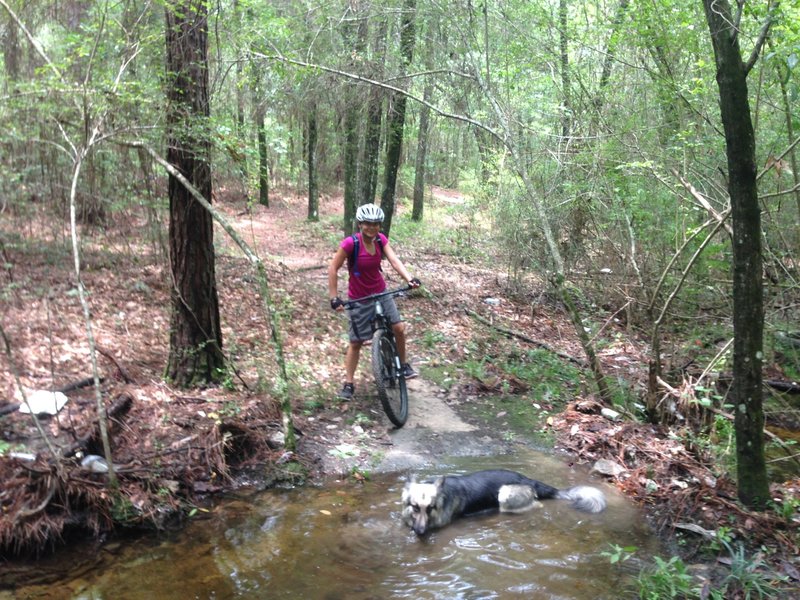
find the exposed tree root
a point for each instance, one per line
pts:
(157, 483)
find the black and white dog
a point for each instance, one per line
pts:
(437, 502)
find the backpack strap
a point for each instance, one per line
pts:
(379, 246)
(352, 260)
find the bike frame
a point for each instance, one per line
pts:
(350, 303)
(379, 321)
(390, 383)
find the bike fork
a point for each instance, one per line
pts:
(398, 368)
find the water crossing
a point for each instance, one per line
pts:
(345, 540)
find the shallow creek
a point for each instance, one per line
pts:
(345, 540)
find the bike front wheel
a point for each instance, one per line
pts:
(389, 378)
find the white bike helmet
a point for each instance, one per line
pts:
(369, 213)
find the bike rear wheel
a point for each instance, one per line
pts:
(389, 378)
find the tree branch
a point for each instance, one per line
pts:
(703, 202)
(774, 194)
(762, 38)
(779, 157)
(272, 319)
(34, 42)
(524, 338)
(280, 57)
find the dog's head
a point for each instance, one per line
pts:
(420, 504)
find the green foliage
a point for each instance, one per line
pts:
(625, 396)
(442, 374)
(123, 511)
(226, 377)
(787, 509)
(749, 576)
(230, 409)
(665, 579)
(785, 350)
(293, 471)
(312, 405)
(525, 387)
(722, 537)
(551, 378)
(345, 451)
(359, 474)
(431, 339)
(361, 419)
(452, 230)
(724, 439)
(475, 368)
(619, 554)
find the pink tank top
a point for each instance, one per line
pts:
(370, 279)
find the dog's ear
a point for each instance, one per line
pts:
(439, 482)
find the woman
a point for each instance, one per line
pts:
(366, 278)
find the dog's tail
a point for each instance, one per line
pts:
(584, 497)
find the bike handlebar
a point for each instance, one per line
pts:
(350, 303)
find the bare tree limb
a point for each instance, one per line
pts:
(280, 57)
(779, 157)
(33, 41)
(791, 190)
(286, 409)
(525, 338)
(704, 203)
(760, 41)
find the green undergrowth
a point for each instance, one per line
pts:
(517, 390)
(735, 574)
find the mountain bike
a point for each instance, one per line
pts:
(386, 366)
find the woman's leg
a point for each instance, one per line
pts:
(399, 330)
(351, 361)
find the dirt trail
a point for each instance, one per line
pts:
(434, 430)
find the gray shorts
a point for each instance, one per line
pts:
(362, 314)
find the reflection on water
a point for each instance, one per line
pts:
(346, 541)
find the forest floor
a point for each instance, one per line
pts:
(173, 447)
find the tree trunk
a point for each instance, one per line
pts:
(11, 54)
(748, 309)
(783, 78)
(372, 133)
(610, 53)
(241, 80)
(195, 354)
(263, 160)
(311, 161)
(355, 35)
(566, 102)
(397, 118)
(422, 157)
(422, 138)
(486, 144)
(350, 159)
